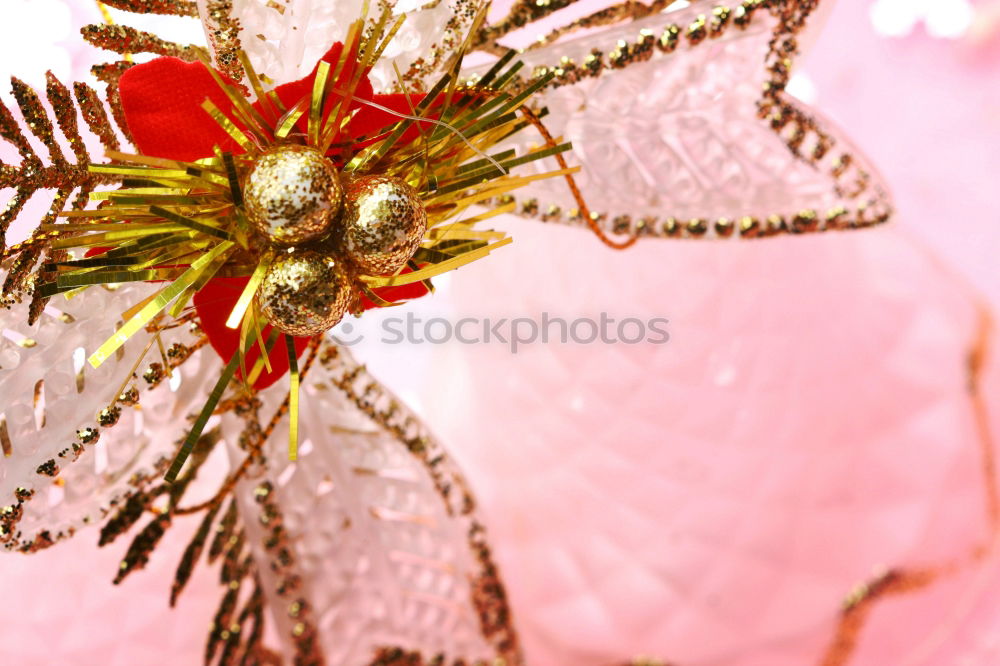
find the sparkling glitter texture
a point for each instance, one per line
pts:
(304, 293)
(293, 194)
(384, 221)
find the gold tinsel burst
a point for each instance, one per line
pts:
(383, 224)
(272, 210)
(292, 194)
(304, 293)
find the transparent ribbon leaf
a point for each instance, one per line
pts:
(370, 540)
(62, 468)
(677, 112)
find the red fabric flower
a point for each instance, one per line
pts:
(162, 103)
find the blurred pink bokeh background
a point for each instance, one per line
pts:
(856, 338)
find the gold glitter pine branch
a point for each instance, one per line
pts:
(53, 172)
(127, 40)
(170, 7)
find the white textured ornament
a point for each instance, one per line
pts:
(51, 398)
(380, 529)
(672, 136)
(295, 34)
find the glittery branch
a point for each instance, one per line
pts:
(129, 514)
(62, 104)
(224, 36)
(202, 448)
(138, 552)
(626, 11)
(19, 276)
(230, 569)
(521, 13)
(37, 119)
(147, 539)
(224, 532)
(862, 601)
(33, 174)
(233, 634)
(395, 656)
(222, 621)
(124, 39)
(283, 564)
(96, 116)
(175, 7)
(109, 74)
(525, 12)
(253, 611)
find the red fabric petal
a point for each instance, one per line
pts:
(162, 104)
(214, 303)
(292, 93)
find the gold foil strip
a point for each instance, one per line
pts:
(348, 52)
(433, 269)
(38, 404)
(316, 101)
(458, 231)
(228, 125)
(375, 298)
(138, 171)
(293, 399)
(264, 98)
(149, 311)
(258, 332)
(109, 237)
(246, 297)
(194, 225)
(187, 294)
(5, 443)
(244, 111)
(287, 122)
(199, 424)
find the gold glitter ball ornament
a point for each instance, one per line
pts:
(383, 223)
(292, 194)
(304, 293)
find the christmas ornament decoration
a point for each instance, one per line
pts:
(293, 195)
(304, 293)
(253, 216)
(383, 223)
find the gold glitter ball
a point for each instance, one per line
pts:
(292, 194)
(383, 223)
(304, 293)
